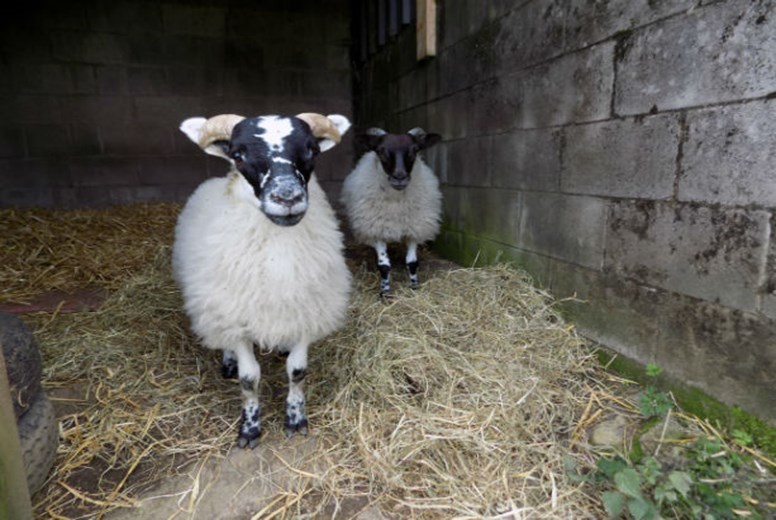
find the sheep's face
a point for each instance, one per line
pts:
(397, 152)
(275, 155)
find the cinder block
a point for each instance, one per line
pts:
(497, 103)
(726, 353)
(84, 79)
(137, 139)
(622, 158)
(412, 89)
(147, 81)
(614, 312)
(125, 17)
(100, 110)
(530, 34)
(26, 198)
(84, 141)
(470, 162)
(173, 170)
(111, 80)
(588, 23)
(103, 171)
(525, 159)
(36, 109)
(468, 62)
(730, 155)
(705, 55)
(448, 116)
(574, 88)
(44, 79)
(88, 47)
(47, 140)
(563, 227)
(486, 213)
(711, 253)
(196, 20)
(11, 141)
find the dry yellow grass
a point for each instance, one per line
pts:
(461, 399)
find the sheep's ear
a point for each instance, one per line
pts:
(342, 124)
(372, 138)
(194, 127)
(422, 139)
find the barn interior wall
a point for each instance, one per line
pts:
(93, 92)
(623, 153)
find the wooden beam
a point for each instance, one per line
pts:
(426, 29)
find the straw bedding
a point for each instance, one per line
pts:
(461, 399)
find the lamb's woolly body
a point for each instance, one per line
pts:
(377, 212)
(245, 278)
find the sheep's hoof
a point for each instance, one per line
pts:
(298, 427)
(249, 435)
(414, 285)
(243, 442)
(386, 295)
(250, 426)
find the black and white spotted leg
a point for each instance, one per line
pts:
(296, 367)
(384, 265)
(250, 373)
(412, 263)
(229, 365)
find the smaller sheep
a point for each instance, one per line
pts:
(393, 196)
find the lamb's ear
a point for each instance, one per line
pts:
(372, 138)
(196, 129)
(422, 139)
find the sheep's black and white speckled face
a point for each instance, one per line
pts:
(275, 155)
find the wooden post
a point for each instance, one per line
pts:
(14, 493)
(426, 29)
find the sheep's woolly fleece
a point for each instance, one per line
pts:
(377, 212)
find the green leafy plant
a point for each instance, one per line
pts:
(653, 402)
(705, 486)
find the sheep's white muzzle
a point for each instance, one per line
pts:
(285, 203)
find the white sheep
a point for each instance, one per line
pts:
(258, 254)
(393, 196)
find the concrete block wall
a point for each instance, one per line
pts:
(92, 92)
(622, 152)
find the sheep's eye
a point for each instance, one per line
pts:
(237, 156)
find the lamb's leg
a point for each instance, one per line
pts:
(229, 365)
(412, 263)
(250, 373)
(296, 367)
(384, 265)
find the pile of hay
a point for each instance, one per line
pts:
(461, 399)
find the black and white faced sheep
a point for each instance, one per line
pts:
(258, 254)
(393, 196)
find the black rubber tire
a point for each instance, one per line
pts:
(39, 438)
(22, 361)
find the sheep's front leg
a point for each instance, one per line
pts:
(296, 367)
(384, 265)
(250, 373)
(412, 263)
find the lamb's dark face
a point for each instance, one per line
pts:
(397, 155)
(397, 152)
(275, 155)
